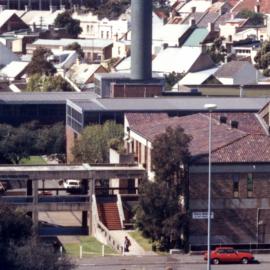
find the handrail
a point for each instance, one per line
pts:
(120, 210)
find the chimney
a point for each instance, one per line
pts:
(211, 27)
(192, 22)
(193, 9)
(62, 7)
(234, 124)
(26, 8)
(141, 40)
(257, 7)
(222, 119)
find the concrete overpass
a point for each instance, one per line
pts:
(33, 202)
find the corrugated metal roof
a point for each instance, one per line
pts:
(165, 104)
(196, 38)
(197, 77)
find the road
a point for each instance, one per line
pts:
(161, 263)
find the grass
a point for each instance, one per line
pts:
(33, 160)
(91, 247)
(145, 243)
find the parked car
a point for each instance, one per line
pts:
(229, 255)
(71, 183)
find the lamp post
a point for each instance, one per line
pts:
(210, 108)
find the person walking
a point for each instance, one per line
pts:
(127, 244)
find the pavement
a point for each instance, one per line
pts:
(135, 249)
(175, 262)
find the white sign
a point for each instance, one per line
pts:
(201, 215)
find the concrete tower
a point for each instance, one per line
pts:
(141, 40)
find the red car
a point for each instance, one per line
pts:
(229, 255)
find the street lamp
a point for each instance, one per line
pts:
(210, 108)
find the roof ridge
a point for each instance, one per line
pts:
(232, 142)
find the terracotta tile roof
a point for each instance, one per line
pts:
(250, 4)
(247, 122)
(224, 138)
(251, 148)
(230, 2)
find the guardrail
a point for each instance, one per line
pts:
(17, 199)
(63, 199)
(99, 227)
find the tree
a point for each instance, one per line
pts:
(93, 144)
(255, 18)
(217, 51)
(159, 214)
(15, 227)
(75, 46)
(15, 143)
(51, 140)
(42, 83)
(28, 139)
(34, 255)
(65, 20)
(21, 249)
(262, 58)
(172, 78)
(39, 63)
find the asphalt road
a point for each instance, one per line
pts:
(174, 266)
(159, 263)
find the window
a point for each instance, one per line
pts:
(235, 186)
(249, 185)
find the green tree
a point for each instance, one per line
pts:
(255, 18)
(172, 78)
(160, 214)
(51, 139)
(39, 63)
(34, 255)
(217, 51)
(42, 83)
(75, 46)
(262, 58)
(93, 144)
(21, 249)
(65, 20)
(15, 227)
(15, 143)
(28, 139)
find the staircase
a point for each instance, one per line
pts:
(108, 213)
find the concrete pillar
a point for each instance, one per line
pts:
(91, 192)
(29, 188)
(85, 186)
(84, 219)
(35, 204)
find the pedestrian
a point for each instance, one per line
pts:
(127, 244)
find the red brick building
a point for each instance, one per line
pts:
(240, 172)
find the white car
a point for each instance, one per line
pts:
(72, 183)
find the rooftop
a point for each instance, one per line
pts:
(95, 43)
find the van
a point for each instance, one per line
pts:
(72, 183)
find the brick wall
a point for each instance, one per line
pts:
(236, 219)
(135, 90)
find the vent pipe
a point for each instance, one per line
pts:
(141, 40)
